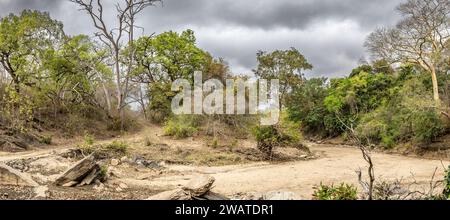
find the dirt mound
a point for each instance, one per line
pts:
(11, 141)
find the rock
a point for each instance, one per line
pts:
(177, 194)
(13, 177)
(124, 159)
(95, 172)
(51, 165)
(70, 184)
(41, 192)
(214, 196)
(303, 157)
(77, 172)
(115, 162)
(199, 186)
(11, 144)
(279, 195)
(99, 187)
(123, 186)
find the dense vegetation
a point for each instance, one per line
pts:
(81, 84)
(384, 109)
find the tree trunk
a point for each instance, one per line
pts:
(435, 87)
(119, 88)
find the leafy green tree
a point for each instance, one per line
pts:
(286, 65)
(420, 38)
(76, 72)
(23, 39)
(167, 57)
(363, 68)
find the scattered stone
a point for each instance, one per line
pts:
(99, 187)
(304, 157)
(141, 161)
(20, 165)
(12, 177)
(114, 162)
(123, 186)
(41, 192)
(51, 165)
(279, 195)
(124, 159)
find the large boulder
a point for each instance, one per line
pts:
(13, 177)
(199, 186)
(84, 169)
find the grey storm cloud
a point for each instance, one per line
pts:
(330, 33)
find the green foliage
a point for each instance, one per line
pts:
(16, 110)
(331, 192)
(89, 140)
(363, 68)
(117, 147)
(286, 133)
(447, 184)
(306, 106)
(159, 108)
(408, 116)
(284, 65)
(182, 126)
(46, 140)
(23, 40)
(359, 94)
(168, 56)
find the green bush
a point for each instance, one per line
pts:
(331, 192)
(112, 150)
(408, 116)
(46, 140)
(89, 139)
(447, 184)
(181, 126)
(117, 147)
(285, 133)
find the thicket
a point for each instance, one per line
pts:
(384, 109)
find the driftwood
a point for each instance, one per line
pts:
(83, 173)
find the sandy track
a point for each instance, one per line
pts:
(337, 164)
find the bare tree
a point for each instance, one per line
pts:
(115, 37)
(368, 186)
(420, 38)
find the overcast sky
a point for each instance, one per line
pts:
(330, 33)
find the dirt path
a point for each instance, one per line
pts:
(337, 164)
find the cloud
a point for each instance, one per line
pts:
(330, 33)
